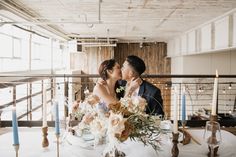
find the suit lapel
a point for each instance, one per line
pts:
(141, 89)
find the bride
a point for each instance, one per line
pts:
(110, 78)
(110, 73)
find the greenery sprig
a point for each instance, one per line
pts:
(145, 130)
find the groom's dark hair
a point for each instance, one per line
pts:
(137, 64)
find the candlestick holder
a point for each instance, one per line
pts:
(214, 118)
(175, 149)
(57, 136)
(213, 139)
(186, 136)
(16, 147)
(45, 142)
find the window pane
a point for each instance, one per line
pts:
(16, 47)
(36, 51)
(5, 46)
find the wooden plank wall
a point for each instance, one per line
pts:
(95, 55)
(154, 56)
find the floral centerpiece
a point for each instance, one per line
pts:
(118, 122)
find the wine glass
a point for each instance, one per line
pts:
(212, 135)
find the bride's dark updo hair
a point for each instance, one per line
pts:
(104, 66)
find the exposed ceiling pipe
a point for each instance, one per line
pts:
(22, 12)
(46, 22)
(97, 45)
(99, 10)
(108, 39)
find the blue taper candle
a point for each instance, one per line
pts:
(183, 105)
(15, 127)
(57, 127)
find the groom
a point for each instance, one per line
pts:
(132, 69)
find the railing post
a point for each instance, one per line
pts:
(30, 100)
(42, 87)
(66, 94)
(53, 92)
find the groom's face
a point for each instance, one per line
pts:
(127, 71)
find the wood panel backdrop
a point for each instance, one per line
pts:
(153, 54)
(155, 58)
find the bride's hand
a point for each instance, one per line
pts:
(100, 81)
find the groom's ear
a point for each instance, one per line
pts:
(131, 73)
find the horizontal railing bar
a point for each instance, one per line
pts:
(96, 75)
(34, 109)
(36, 123)
(19, 100)
(190, 123)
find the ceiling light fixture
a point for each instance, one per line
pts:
(141, 43)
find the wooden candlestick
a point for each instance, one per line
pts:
(16, 147)
(57, 136)
(175, 149)
(186, 137)
(45, 142)
(213, 118)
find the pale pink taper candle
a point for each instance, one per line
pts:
(214, 99)
(175, 129)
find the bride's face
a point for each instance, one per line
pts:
(116, 72)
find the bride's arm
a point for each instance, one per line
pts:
(101, 92)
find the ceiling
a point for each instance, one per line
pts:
(125, 20)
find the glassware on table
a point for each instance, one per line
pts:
(212, 136)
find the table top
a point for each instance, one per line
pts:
(30, 146)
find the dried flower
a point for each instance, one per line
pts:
(126, 132)
(93, 99)
(115, 107)
(125, 119)
(116, 124)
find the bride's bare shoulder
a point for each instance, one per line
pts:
(99, 87)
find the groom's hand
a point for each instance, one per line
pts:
(133, 85)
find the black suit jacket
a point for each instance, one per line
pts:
(152, 94)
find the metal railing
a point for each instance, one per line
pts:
(26, 93)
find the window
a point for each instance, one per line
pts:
(36, 51)
(5, 46)
(16, 48)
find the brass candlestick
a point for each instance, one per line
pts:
(213, 136)
(16, 147)
(57, 136)
(45, 142)
(175, 150)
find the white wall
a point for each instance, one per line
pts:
(224, 62)
(215, 35)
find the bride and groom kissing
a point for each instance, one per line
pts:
(117, 82)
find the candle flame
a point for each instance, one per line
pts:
(217, 75)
